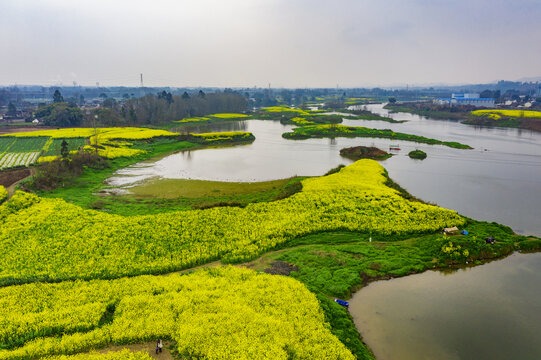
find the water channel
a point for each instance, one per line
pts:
(487, 312)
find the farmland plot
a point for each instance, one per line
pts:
(20, 151)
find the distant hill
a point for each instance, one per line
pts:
(530, 79)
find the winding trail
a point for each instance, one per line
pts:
(11, 189)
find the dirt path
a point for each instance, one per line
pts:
(10, 129)
(147, 347)
(11, 189)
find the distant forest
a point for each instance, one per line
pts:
(147, 110)
(164, 107)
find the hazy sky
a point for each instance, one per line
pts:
(289, 43)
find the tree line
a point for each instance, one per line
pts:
(147, 110)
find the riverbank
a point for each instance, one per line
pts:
(467, 115)
(510, 122)
(455, 313)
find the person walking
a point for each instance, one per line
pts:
(159, 346)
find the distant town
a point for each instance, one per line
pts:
(20, 103)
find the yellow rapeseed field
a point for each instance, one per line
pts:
(49, 239)
(498, 113)
(215, 313)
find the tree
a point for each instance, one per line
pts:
(185, 96)
(57, 96)
(166, 96)
(64, 152)
(12, 110)
(60, 114)
(392, 100)
(201, 94)
(109, 102)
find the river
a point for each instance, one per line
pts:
(499, 180)
(491, 312)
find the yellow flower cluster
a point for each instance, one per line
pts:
(3, 194)
(193, 119)
(215, 313)
(454, 251)
(44, 159)
(497, 113)
(112, 355)
(226, 135)
(112, 152)
(107, 139)
(129, 133)
(228, 116)
(216, 116)
(52, 239)
(301, 121)
(285, 109)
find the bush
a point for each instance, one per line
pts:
(56, 173)
(417, 154)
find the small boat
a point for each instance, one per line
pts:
(394, 147)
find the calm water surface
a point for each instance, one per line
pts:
(488, 312)
(500, 180)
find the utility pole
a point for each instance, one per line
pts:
(141, 79)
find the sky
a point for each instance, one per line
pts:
(287, 43)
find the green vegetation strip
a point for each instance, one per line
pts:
(321, 131)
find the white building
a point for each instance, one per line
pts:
(466, 99)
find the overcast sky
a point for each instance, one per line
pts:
(288, 43)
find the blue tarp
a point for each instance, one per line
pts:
(342, 302)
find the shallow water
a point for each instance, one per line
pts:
(501, 183)
(488, 312)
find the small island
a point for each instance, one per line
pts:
(334, 131)
(364, 152)
(417, 154)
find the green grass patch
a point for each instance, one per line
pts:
(331, 131)
(56, 145)
(337, 264)
(166, 195)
